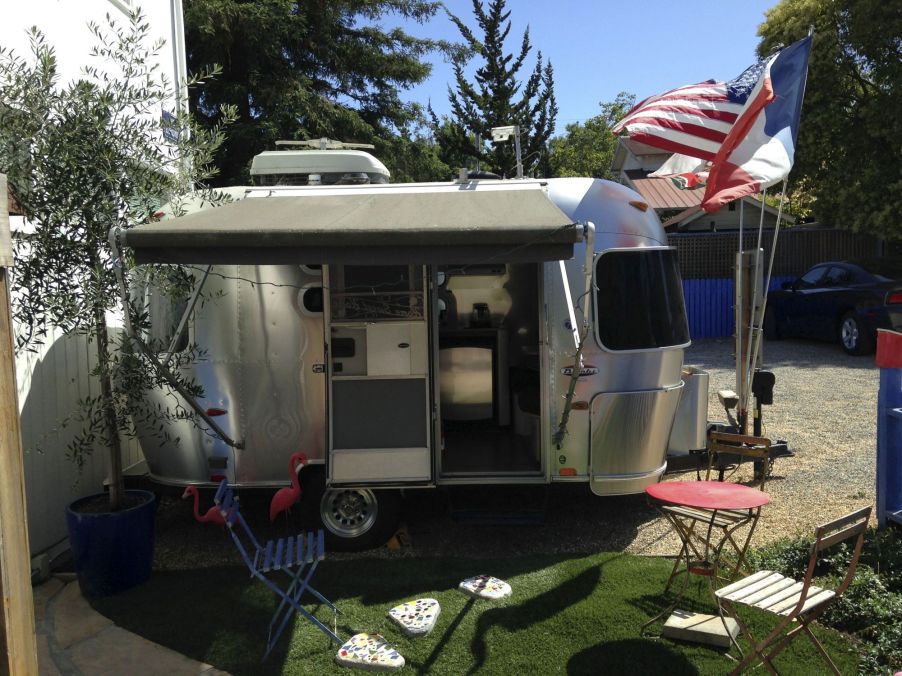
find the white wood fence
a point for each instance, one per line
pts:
(50, 384)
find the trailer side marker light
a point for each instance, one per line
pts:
(213, 412)
(641, 206)
(217, 478)
(580, 406)
(567, 471)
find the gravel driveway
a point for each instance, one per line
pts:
(824, 407)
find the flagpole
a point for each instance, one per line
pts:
(737, 300)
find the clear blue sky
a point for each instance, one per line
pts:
(599, 48)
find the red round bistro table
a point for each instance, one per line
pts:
(708, 494)
(715, 506)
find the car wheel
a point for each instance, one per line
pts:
(771, 330)
(853, 336)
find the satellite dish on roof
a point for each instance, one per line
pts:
(326, 144)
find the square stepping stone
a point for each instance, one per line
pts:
(685, 625)
(485, 587)
(370, 652)
(416, 618)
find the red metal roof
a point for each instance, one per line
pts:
(661, 193)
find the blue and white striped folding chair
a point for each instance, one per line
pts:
(296, 557)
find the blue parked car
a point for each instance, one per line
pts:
(840, 301)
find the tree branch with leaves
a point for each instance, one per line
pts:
(82, 158)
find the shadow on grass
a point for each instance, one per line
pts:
(220, 615)
(533, 611)
(630, 656)
(582, 613)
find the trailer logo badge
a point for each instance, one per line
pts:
(587, 370)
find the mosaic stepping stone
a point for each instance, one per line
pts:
(485, 587)
(370, 652)
(416, 618)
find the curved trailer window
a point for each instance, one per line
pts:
(639, 300)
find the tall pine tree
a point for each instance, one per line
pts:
(296, 69)
(497, 98)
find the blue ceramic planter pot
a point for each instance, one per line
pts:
(112, 551)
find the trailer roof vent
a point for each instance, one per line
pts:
(332, 162)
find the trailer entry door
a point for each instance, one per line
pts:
(380, 409)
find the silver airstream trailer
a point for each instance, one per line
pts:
(418, 335)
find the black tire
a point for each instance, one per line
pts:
(353, 519)
(771, 329)
(854, 337)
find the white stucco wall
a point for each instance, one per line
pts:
(65, 25)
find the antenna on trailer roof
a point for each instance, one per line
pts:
(327, 144)
(502, 134)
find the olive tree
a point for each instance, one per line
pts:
(104, 151)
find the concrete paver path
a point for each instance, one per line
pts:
(75, 640)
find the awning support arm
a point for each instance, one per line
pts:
(161, 369)
(579, 335)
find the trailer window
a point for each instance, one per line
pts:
(639, 300)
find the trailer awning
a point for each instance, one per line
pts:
(390, 224)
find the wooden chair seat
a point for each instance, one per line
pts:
(722, 519)
(774, 593)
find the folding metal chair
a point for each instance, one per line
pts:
(297, 557)
(798, 603)
(725, 451)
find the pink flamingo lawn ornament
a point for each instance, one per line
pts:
(285, 498)
(213, 514)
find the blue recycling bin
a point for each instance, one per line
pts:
(889, 428)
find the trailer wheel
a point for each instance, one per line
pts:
(353, 519)
(359, 518)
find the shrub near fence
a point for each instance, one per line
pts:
(707, 259)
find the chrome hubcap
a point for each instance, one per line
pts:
(849, 334)
(349, 513)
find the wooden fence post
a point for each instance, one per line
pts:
(17, 618)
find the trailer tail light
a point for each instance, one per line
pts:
(567, 471)
(214, 412)
(895, 298)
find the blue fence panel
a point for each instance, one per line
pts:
(709, 305)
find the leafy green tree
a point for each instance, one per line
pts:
(297, 69)
(413, 157)
(496, 97)
(849, 154)
(587, 149)
(83, 158)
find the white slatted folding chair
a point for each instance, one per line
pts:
(797, 604)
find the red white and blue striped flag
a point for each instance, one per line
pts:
(746, 128)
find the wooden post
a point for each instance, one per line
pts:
(17, 618)
(741, 308)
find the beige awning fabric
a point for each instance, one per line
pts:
(437, 224)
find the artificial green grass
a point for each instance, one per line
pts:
(579, 615)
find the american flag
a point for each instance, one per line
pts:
(693, 120)
(746, 128)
